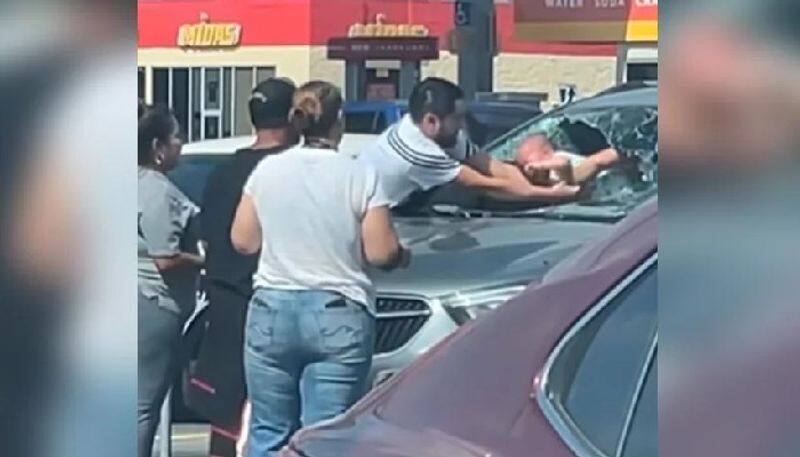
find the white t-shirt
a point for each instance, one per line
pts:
(407, 160)
(310, 204)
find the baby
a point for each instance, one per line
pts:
(544, 166)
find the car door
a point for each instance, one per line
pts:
(598, 388)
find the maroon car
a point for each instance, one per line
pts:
(566, 368)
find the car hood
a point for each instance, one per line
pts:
(369, 436)
(456, 254)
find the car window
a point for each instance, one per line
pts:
(594, 377)
(643, 435)
(360, 122)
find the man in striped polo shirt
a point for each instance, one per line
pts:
(428, 148)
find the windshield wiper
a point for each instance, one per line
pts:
(574, 212)
(568, 212)
(457, 211)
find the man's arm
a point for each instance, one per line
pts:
(246, 229)
(484, 172)
(589, 168)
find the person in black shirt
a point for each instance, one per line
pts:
(217, 387)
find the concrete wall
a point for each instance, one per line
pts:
(322, 68)
(536, 72)
(542, 73)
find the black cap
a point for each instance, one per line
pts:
(270, 103)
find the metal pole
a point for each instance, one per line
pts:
(165, 428)
(475, 25)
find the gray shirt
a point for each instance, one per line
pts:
(166, 219)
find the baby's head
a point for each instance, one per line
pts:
(535, 148)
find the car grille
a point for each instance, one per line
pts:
(399, 319)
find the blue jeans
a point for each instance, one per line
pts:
(306, 358)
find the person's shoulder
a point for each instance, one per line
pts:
(155, 181)
(269, 161)
(155, 184)
(174, 193)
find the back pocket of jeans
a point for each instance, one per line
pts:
(260, 332)
(342, 325)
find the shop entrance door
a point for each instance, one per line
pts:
(211, 103)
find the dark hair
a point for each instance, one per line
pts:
(315, 109)
(435, 96)
(156, 122)
(270, 103)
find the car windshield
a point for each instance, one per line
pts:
(631, 129)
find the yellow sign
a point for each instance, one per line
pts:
(208, 35)
(381, 29)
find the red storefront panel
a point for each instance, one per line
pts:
(582, 20)
(314, 22)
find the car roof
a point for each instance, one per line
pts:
(640, 96)
(231, 145)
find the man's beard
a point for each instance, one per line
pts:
(446, 141)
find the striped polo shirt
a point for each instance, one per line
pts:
(406, 160)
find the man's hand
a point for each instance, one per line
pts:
(405, 257)
(508, 182)
(556, 163)
(563, 190)
(557, 168)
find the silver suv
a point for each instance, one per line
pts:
(473, 253)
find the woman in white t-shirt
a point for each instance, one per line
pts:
(319, 218)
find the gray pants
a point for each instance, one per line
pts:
(159, 336)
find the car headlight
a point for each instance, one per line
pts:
(467, 306)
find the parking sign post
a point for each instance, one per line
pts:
(475, 26)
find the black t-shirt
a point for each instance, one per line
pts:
(222, 194)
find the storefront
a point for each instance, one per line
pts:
(630, 24)
(203, 58)
(383, 60)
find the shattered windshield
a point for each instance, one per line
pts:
(579, 130)
(631, 130)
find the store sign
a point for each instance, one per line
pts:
(209, 35)
(410, 48)
(586, 20)
(380, 29)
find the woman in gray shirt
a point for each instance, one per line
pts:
(167, 268)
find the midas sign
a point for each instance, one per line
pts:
(206, 35)
(381, 29)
